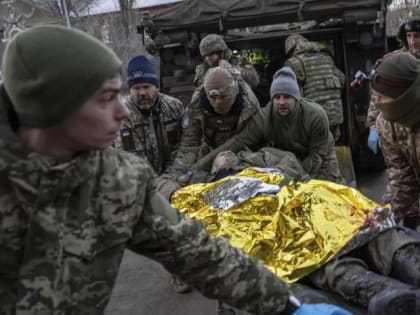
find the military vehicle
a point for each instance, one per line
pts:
(353, 32)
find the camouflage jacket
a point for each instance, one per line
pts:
(401, 149)
(245, 70)
(304, 132)
(64, 226)
(154, 135)
(320, 79)
(203, 129)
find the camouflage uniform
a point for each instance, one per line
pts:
(204, 130)
(155, 134)
(304, 132)
(65, 225)
(213, 43)
(401, 150)
(320, 79)
(246, 71)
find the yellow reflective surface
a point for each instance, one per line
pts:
(293, 232)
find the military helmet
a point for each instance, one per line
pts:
(212, 43)
(292, 41)
(409, 24)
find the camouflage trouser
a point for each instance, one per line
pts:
(330, 170)
(373, 268)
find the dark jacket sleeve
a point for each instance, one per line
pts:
(319, 143)
(189, 148)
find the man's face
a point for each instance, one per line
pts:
(380, 98)
(222, 104)
(283, 104)
(144, 94)
(413, 41)
(98, 121)
(212, 59)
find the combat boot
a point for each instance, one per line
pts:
(406, 264)
(351, 279)
(395, 302)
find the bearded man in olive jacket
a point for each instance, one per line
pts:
(290, 123)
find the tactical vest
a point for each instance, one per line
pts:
(321, 84)
(217, 129)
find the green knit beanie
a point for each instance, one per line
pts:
(395, 74)
(401, 69)
(50, 71)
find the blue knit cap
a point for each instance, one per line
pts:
(141, 70)
(285, 82)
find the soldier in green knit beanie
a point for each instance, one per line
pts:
(70, 206)
(395, 87)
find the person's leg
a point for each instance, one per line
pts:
(351, 279)
(396, 253)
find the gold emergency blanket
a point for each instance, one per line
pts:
(294, 231)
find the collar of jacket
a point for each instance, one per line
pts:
(404, 110)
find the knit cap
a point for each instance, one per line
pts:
(395, 74)
(285, 82)
(218, 81)
(51, 71)
(141, 70)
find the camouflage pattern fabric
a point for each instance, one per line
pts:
(201, 133)
(153, 135)
(203, 130)
(320, 79)
(304, 132)
(401, 150)
(245, 71)
(249, 74)
(372, 113)
(65, 225)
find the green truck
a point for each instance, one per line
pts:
(353, 31)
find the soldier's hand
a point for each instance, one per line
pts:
(320, 309)
(373, 140)
(184, 178)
